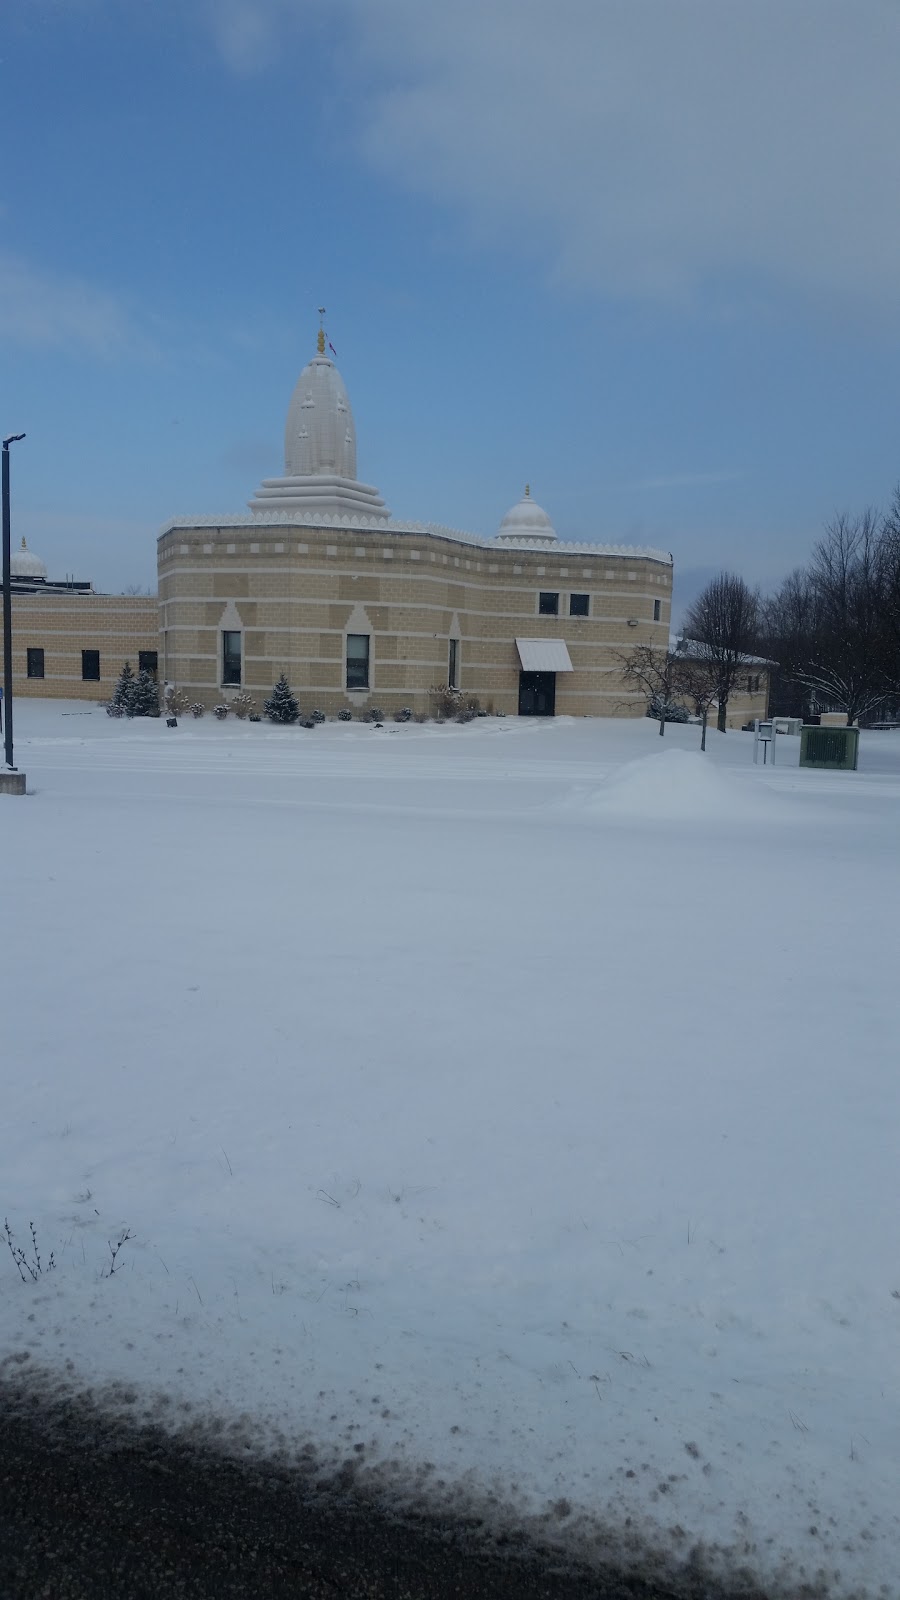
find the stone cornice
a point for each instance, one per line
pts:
(395, 527)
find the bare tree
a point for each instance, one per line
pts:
(787, 631)
(889, 561)
(653, 673)
(834, 626)
(696, 681)
(847, 661)
(724, 619)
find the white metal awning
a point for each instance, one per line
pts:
(544, 655)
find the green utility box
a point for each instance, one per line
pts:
(836, 748)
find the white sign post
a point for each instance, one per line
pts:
(764, 733)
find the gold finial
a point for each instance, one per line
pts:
(24, 545)
(527, 491)
(321, 331)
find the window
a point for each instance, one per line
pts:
(453, 668)
(579, 605)
(656, 611)
(753, 684)
(35, 663)
(90, 666)
(357, 661)
(231, 656)
(148, 661)
(548, 604)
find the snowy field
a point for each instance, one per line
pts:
(509, 1111)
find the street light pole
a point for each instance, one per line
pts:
(7, 609)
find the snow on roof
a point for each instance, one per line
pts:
(693, 650)
(544, 655)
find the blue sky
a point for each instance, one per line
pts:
(644, 254)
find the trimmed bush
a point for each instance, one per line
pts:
(177, 701)
(242, 705)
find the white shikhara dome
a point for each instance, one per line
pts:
(25, 564)
(320, 435)
(320, 451)
(526, 522)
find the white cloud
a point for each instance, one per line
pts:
(660, 148)
(46, 309)
(248, 33)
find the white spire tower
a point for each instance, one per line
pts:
(320, 450)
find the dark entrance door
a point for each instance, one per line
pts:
(537, 694)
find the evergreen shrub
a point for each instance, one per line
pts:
(134, 696)
(282, 706)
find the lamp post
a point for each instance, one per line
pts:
(7, 608)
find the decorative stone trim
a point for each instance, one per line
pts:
(395, 526)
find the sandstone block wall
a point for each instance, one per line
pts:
(294, 594)
(63, 625)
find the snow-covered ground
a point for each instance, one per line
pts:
(510, 1110)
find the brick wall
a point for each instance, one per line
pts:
(64, 625)
(295, 597)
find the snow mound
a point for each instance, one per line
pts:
(684, 786)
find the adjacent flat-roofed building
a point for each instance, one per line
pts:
(69, 642)
(360, 609)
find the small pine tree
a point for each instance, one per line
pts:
(282, 705)
(144, 696)
(123, 694)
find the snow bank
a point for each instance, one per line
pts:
(684, 786)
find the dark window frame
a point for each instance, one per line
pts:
(34, 659)
(90, 659)
(453, 665)
(548, 603)
(232, 660)
(148, 661)
(357, 665)
(657, 609)
(579, 605)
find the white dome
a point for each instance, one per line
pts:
(24, 564)
(320, 452)
(527, 521)
(320, 436)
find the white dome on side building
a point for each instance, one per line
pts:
(526, 522)
(25, 564)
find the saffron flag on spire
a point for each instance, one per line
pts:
(332, 349)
